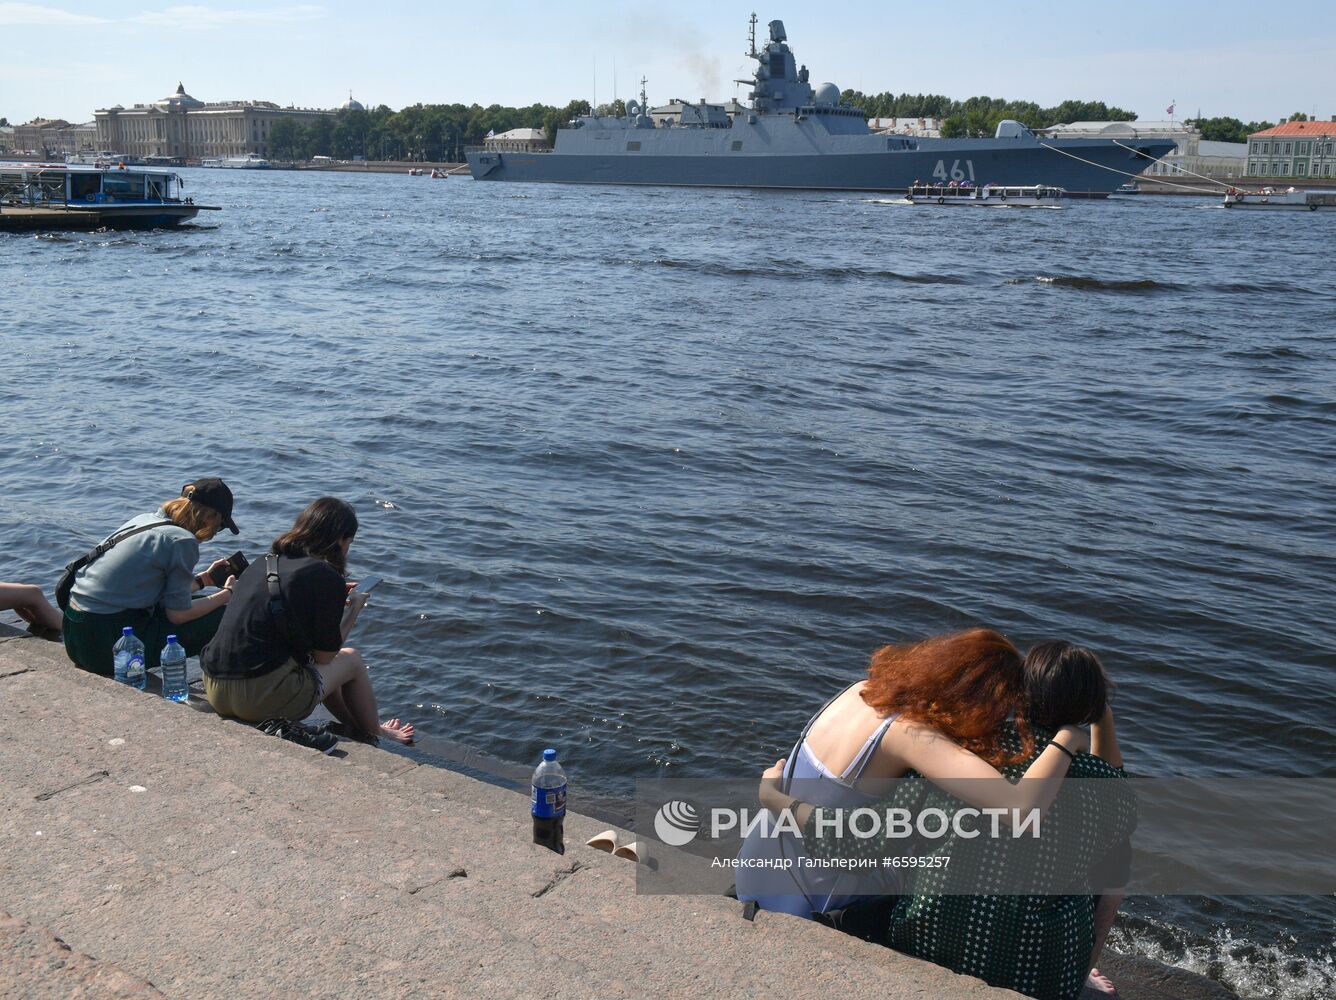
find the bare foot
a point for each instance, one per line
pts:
(1099, 984)
(400, 732)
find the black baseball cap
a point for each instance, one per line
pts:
(214, 494)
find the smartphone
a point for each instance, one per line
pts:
(366, 585)
(236, 562)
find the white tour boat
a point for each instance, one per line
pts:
(985, 195)
(1290, 198)
(251, 161)
(37, 196)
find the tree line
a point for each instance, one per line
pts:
(979, 116)
(430, 132)
(1233, 130)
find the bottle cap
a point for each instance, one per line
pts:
(549, 754)
(171, 639)
(127, 631)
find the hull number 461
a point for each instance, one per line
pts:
(956, 173)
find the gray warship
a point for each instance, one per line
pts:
(795, 136)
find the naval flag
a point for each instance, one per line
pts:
(1169, 110)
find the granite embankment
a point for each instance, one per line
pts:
(148, 849)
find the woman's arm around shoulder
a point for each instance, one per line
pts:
(972, 779)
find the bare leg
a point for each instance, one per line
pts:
(31, 605)
(347, 681)
(338, 708)
(1105, 912)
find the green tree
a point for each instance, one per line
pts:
(286, 140)
(1223, 129)
(320, 137)
(351, 128)
(557, 117)
(1298, 116)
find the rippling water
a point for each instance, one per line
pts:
(650, 472)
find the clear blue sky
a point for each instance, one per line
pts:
(65, 58)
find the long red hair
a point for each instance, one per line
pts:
(965, 685)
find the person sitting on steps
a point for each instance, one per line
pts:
(147, 581)
(280, 658)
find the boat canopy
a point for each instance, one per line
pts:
(46, 184)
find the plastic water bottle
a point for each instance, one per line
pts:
(128, 657)
(174, 671)
(547, 803)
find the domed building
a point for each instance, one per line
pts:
(183, 128)
(351, 104)
(178, 101)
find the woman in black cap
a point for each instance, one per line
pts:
(147, 581)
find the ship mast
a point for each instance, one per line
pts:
(751, 37)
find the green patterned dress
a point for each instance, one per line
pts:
(1015, 912)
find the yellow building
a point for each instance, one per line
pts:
(182, 126)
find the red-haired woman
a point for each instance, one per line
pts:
(936, 707)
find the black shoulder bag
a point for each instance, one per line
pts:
(66, 582)
(278, 610)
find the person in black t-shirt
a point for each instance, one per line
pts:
(261, 666)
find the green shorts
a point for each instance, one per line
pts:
(89, 637)
(292, 691)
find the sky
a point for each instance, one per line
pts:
(65, 59)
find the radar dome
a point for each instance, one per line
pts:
(827, 95)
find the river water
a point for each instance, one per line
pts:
(649, 473)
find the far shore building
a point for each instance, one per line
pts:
(1192, 158)
(923, 128)
(1294, 149)
(52, 138)
(672, 112)
(182, 126)
(518, 140)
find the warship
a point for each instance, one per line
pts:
(794, 135)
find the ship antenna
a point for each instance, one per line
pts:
(751, 37)
(644, 101)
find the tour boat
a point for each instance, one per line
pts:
(1290, 198)
(251, 161)
(986, 195)
(78, 196)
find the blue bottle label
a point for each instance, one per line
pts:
(134, 666)
(547, 803)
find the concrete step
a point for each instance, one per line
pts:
(211, 860)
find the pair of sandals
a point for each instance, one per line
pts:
(608, 843)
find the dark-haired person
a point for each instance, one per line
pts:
(279, 663)
(1017, 912)
(935, 707)
(147, 581)
(1064, 681)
